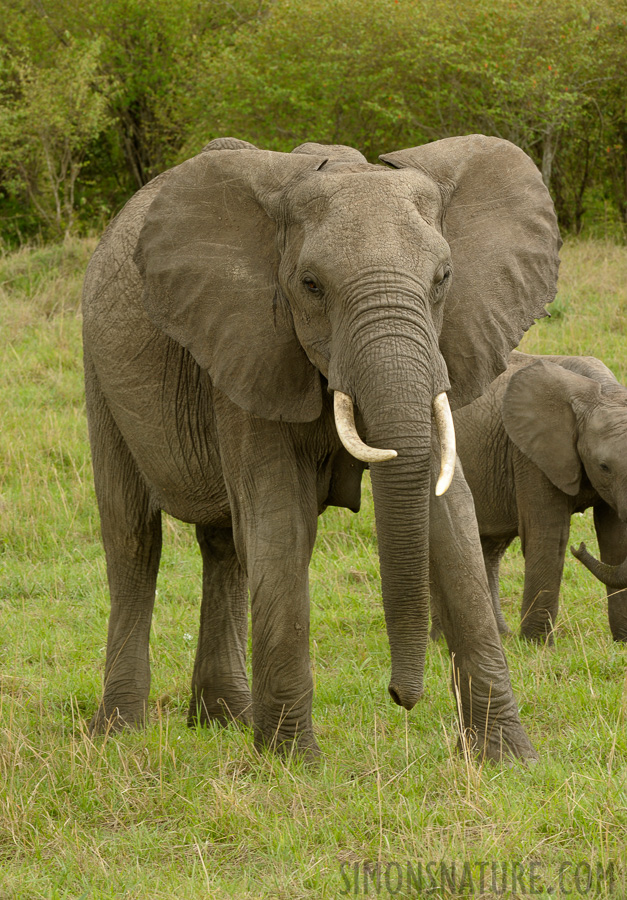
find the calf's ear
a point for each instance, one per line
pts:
(539, 416)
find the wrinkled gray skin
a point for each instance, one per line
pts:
(222, 306)
(546, 440)
(613, 576)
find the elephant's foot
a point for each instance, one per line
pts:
(111, 716)
(542, 634)
(207, 706)
(287, 734)
(498, 743)
(501, 624)
(488, 718)
(302, 747)
(538, 623)
(617, 615)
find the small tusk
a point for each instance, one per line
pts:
(345, 424)
(446, 432)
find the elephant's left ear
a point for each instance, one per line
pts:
(501, 227)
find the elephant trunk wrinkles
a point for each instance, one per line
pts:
(393, 386)
(614, 577)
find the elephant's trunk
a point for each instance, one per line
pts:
(393, 380)
(614, 577)
(401, 500)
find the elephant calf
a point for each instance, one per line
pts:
(548, 439)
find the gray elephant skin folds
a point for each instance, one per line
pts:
(224, 307)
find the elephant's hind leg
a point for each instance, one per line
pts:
(493, 550)
(220, 690)
(131, 533)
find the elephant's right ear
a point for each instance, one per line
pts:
(209, 258)
(539, 416)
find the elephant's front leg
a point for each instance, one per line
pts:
(544, 523)
(612, 538)
(220, 689)
(481, 681)
(282, 678)
(272, 491)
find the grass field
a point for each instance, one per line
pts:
(174, 813)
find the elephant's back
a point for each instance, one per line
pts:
(588, 366)
(112, 267)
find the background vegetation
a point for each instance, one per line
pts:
(98, 96)
(170, 812)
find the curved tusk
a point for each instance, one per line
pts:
(345, 424)
(446, 432)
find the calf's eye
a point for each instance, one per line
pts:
(605, 468)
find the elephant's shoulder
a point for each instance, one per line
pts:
(112, 260)
(131, 217)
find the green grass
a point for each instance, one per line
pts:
(172, 812)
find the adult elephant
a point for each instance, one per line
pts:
(546, 440)
(229, 302)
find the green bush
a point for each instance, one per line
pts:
(158, 80)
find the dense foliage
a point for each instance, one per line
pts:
(97, 97)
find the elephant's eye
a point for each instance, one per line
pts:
(443, 278)
(605, 468)
(311, 285)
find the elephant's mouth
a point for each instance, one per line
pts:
(347, 432)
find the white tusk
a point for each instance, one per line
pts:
(446, 432)
(345, 424)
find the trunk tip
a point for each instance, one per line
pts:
(578, 552)
(404, 697)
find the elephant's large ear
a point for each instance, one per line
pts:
(500, 224)
(208, 255)
(539, 415)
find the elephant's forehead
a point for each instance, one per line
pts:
(367, 190)
(608, 420)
